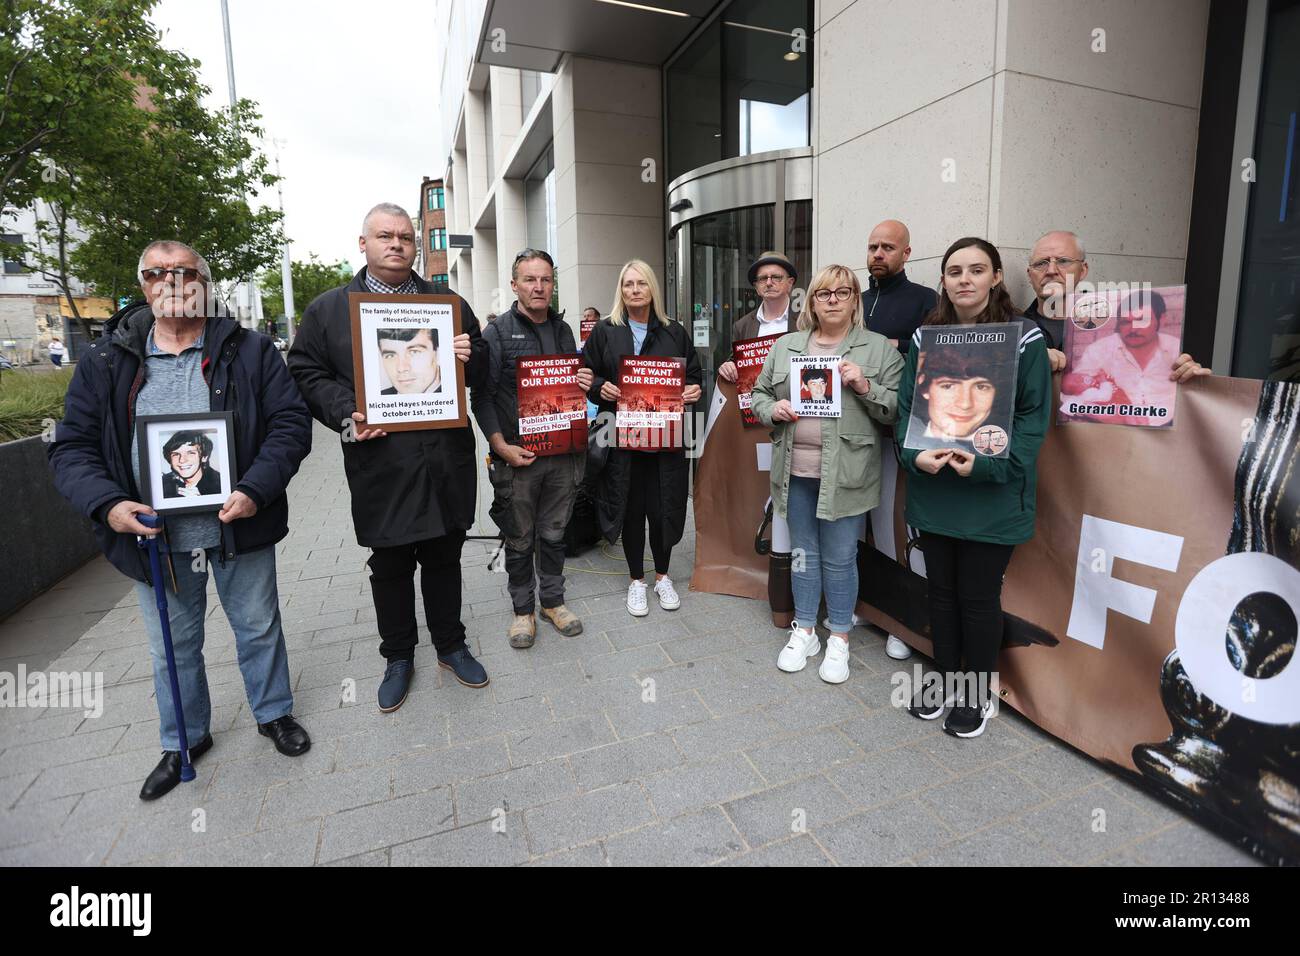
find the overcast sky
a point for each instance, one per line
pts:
(348, 87)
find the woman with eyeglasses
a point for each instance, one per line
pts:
(826, 471)
(640, 488)
(972, 510)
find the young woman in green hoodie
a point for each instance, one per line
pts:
(972, 510)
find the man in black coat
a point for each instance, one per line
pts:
(893, 305)
(174, 355)
(412, 491)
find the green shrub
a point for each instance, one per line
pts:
(29, 399)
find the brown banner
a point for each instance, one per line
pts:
(1126, 519)
(730, 493)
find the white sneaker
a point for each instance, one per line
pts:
(897, 649)
(636, 601)
(668, 599)
(835, 665)
(803, 645)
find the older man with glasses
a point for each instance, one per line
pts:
(178, 353)
(1057, 264)
(534, 495)
(773, 277)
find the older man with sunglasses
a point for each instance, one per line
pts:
(176, 353)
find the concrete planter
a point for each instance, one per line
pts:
(42, 539)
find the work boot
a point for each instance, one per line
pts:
(564, 620)
(523, 631)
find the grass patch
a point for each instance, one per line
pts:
(29, 399)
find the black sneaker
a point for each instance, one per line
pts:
(928, 702)
(966, 721)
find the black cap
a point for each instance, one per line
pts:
(772, 259)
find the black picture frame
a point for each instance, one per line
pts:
(151, 435)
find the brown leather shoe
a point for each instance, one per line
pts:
(523, 631)
(565, 621)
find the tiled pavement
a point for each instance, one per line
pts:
(667, 740)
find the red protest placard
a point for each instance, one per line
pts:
(585, 325)
(552, 407)
(749, 356)
(650, 405)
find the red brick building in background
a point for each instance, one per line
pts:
(433, 229)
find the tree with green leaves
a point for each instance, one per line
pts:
(310, 279)
(124, 147)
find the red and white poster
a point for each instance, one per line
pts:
(552, 406)
(749, 356)
(650, 405)
(585, 325)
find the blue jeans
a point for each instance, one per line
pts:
(824, 558)
(246, 586)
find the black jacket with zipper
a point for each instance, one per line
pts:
(510, 337)
(408, 486)
(91, 451)
(896, 307)
(605, 346)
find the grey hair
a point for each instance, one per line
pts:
(172, 244)
(388, 209)
(1083, 255)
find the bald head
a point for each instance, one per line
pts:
(888, 248)
(1057, 264)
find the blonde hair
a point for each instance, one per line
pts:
(618, 311)
(832, 277)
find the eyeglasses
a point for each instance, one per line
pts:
(841, 294)
(184, 274)
(770, 278)
(1042, 265)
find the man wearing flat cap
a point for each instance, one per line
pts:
(773, 276)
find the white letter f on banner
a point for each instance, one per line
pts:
(1095, 590)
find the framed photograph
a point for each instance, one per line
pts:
(965, 395)
(1120, 344)
(185, 461)
(405, 370)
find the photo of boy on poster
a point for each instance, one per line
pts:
(965, 392)
(192, 452)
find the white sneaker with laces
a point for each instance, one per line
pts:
(835, 665)
(636, 599)
(668, 599)
(897, 649)
(803, 645)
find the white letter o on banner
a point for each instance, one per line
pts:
(1202, 624)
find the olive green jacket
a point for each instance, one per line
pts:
(852, 443)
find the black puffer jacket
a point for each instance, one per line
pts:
(607, 344)
(91, 453)
(408, 486)
(510, 337)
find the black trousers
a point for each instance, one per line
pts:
(965, 588)
(392, 581)
(644, 504)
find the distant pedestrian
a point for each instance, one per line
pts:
(57, 350)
